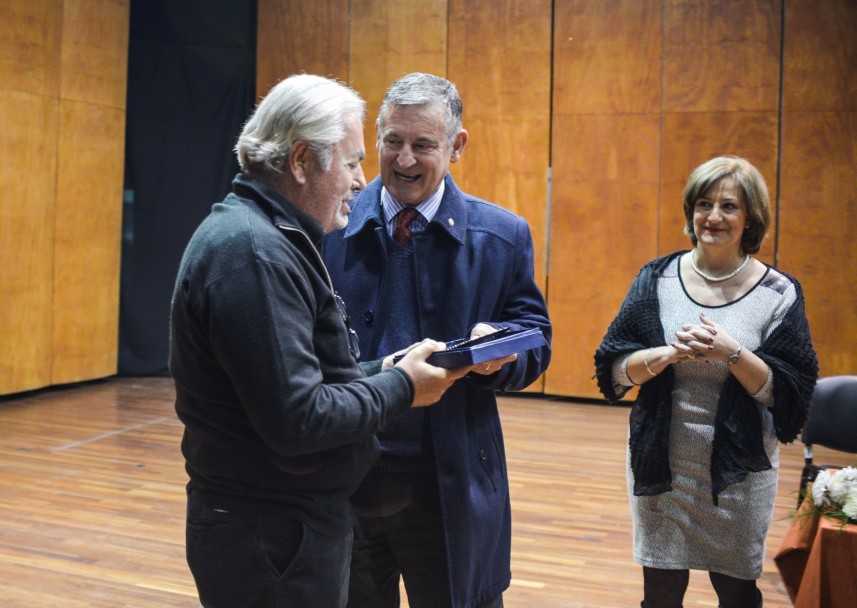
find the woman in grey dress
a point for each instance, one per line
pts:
(719, 344)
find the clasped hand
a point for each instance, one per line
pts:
(706, 340)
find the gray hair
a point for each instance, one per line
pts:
(418, 89)
(300, 108)
(751, 186)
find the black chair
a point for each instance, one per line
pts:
(832, 423)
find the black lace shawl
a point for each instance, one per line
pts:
(738, 444)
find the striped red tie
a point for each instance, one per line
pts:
(402, 232)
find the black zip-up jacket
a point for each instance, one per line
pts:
(275, 406)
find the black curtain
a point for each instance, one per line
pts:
(191, 87)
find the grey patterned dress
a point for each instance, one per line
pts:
(682, 529)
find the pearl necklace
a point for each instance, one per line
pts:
(708, 277)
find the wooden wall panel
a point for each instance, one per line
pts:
(27, 193)
(62, 105)
(603, 228)
(387, 41)
(604, 201)
(29, 46)
(506, 90)
(697, 136)
(90, 167)
(818, 221)
(87, 242)
(607, 57)
(721, 55)
(820, 55)
(507, 95)
(297, 36)
(818, 201)
(94, 60)
(29, 83)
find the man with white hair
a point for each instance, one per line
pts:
(279, 417)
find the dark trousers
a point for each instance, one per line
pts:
(399, 534)
(250, 554)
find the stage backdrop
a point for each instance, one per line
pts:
(191, 86)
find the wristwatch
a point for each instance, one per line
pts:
(734, 357)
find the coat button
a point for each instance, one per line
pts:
(483, 454)
(368, 317)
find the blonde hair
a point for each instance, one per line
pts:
(751, 187)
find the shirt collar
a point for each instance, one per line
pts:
(428, 208)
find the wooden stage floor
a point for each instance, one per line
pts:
(92, 502)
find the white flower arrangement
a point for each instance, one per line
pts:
(835, 494)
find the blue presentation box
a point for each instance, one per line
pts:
(467, 351)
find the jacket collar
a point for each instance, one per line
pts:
(450, 219)
(279, 209)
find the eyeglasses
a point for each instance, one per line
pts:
(353, 339)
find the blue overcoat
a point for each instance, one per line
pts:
(474, 263)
